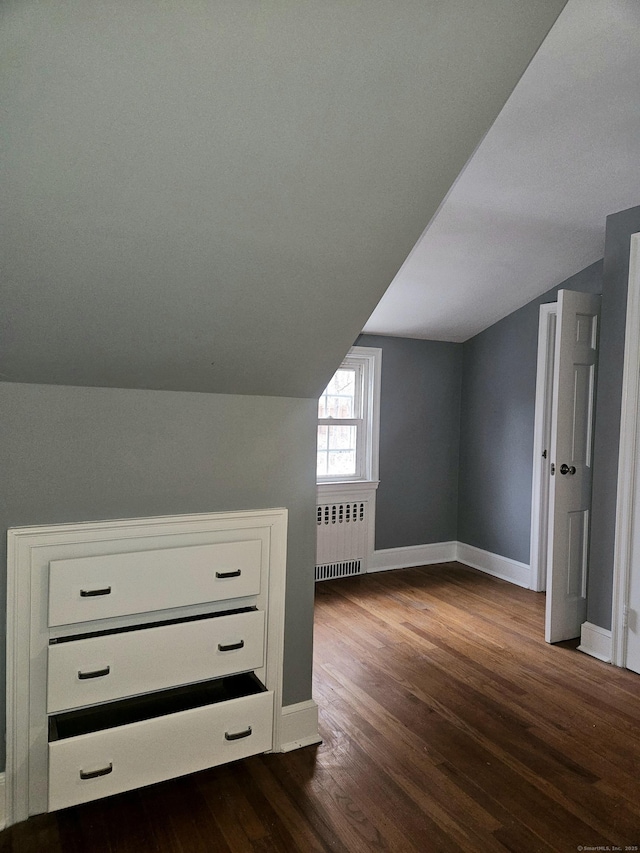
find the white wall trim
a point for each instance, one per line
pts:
(627, 460)
(356, 490)
(3, 801)
(493, 564)
(541, 442)
(595, 641)
(374, 357)
(447, 552)
(411, 556)
(299, 726)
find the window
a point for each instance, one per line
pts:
(348, 418)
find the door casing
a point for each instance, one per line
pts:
(628, 490)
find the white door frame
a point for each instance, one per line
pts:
(541, 442)
(628, 486)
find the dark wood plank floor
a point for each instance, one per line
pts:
(448, 725)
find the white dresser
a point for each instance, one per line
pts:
(153, 649)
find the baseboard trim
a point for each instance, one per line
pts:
(595, 641)
(3, 801)
(493, 564)
(410, 556)
(299, 726)
(446, 552)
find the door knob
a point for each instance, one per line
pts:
(565, 469)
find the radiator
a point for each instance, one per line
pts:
(342, 539)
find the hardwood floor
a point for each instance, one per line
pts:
(448, 725)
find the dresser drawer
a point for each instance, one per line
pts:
(109, 761)
(99, 669)
(88, 588)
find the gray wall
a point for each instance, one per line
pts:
(419, 440)
(620, 227)
(79, 454)
(496, 428)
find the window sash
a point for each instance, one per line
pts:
(367, 367)
(340, 422)
(359, 424)
(359, 408)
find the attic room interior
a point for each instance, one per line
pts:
(206, 207)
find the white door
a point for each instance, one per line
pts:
(571, 463)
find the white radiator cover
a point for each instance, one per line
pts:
(343, 538)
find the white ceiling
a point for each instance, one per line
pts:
(529, 209)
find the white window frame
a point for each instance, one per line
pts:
(368, 362)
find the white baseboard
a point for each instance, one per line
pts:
(299, 726)
(3, 803)
(595, 641)
(410, 556)
(446, 552)
(493, 564)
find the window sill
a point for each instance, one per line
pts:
(357, 488)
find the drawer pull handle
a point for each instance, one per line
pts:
(235, 574)
(231, 647)
(89, 593)
(238, 735)
(93, 774)
(95, 674)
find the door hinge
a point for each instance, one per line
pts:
(625, 616)
(553, 468)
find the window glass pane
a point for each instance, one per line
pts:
(342, 437)
(343, 382)
(341, 463)
(322, 464)
(339, 397)
(322, 438)
(337, 450)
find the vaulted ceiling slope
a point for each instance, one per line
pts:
(213, 196)
(529, 209)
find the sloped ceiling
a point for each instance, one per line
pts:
(529, 209)
(213, 196)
